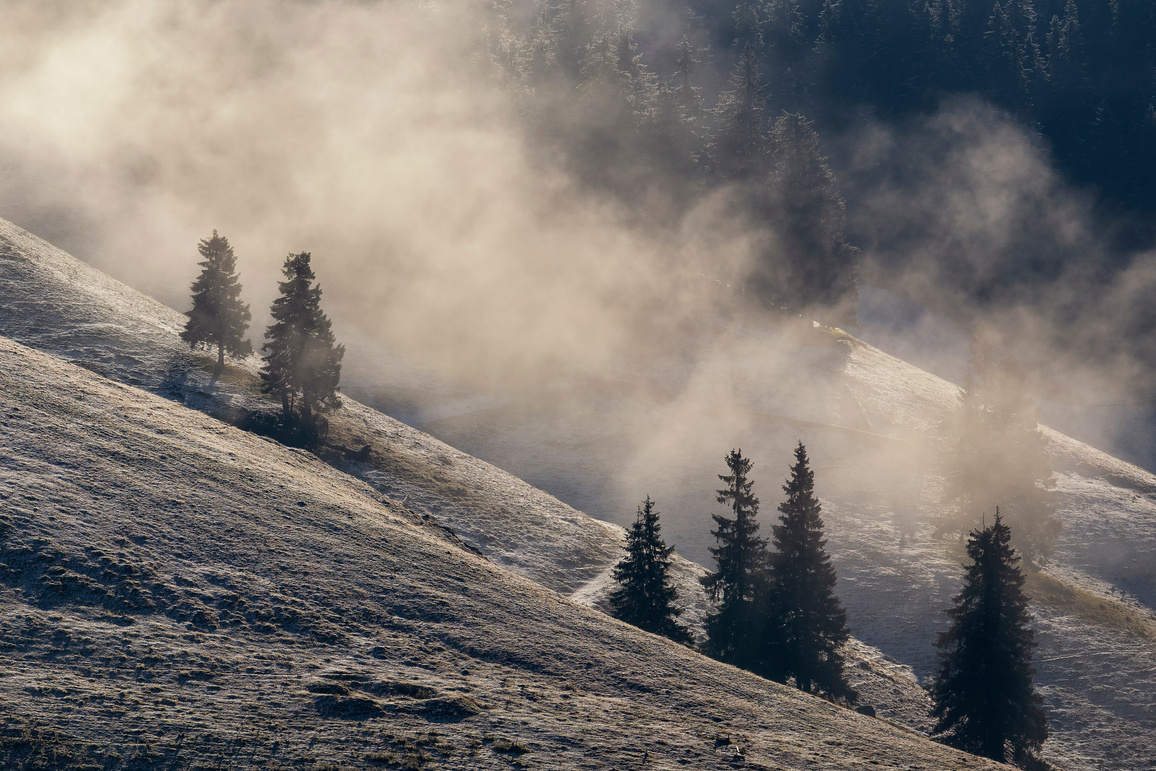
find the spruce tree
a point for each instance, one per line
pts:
(805, 205)
(302, 356)
(984, 700)
(740, 555)
(738, 145)
(806, 623)
(218, 317)
(644, 596)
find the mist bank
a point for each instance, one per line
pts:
(452, 233)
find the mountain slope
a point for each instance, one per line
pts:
(181, 594)
(51, 301)
(874, 426)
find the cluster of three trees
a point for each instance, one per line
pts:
(777, 614)
(302, 358)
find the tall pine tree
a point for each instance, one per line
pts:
(984, 701)
(644, 596)
(218, 317)
(740, 555)
(738, 145)
(805, 205)
(302, 358)
(806, 624)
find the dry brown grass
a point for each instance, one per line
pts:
(1050, 592)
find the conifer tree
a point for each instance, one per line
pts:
(984, 700)
(302, 356)
(644, 596)
(805, 203)
(677, 139)
(740, 555)
(738, 145)
(218, 317)
(807, 625)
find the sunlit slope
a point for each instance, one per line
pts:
(1093, 603)
(878, 431)
(53, 302)
(177, 591)
(875, 427)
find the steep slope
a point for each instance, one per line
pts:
(181, 594)
(51, 301)
(876, 428)
(874, 425)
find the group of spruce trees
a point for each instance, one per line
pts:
(302, 360)
(776, 614)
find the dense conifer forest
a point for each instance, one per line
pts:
(664, 105)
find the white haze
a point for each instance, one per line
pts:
(375, 136)
(369, 135)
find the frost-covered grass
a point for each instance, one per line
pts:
(177, 593)
(895, 576)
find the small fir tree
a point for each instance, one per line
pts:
(302, 357)
(806, 623)
(984, 700)
(218, 317)
(644, 596)
(740, 555)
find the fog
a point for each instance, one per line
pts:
(616, 354)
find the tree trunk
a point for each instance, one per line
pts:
(285, 407)
(220, 365)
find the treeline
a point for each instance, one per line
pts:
(1081, 72)
(644, 132)
(600, 83)
(776, 614)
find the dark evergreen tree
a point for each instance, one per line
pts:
(218, 317)
(740, 555)
(302, 358)
(645, 597)
(738, 146)
(807, 625)
(984, 701)
(677, 139)
(812, 264)
(748, 20)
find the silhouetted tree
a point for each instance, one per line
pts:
(806, 624)
(740, 555)
(302, 356)
(645, 597)
(984, 700)
(218, 317)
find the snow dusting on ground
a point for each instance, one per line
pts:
(1094, 610)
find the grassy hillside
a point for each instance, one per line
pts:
(873, 423)
(181, 594)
